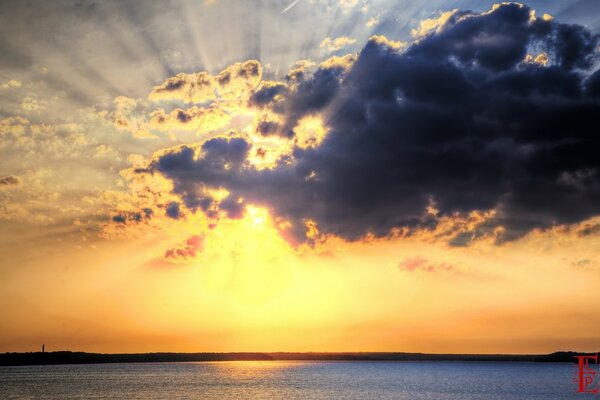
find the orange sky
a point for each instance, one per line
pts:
(249, 290)
(102, 250)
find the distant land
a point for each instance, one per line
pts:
(69, 357)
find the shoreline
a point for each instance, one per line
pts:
(69, 357)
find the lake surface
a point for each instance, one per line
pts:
(293, 380)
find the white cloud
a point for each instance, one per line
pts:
(11, 84)
(333, 45)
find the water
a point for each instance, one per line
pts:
(293, 380)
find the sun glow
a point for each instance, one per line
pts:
(204, 176)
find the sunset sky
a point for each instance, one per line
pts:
(319, 175)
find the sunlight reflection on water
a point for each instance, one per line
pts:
(292, 380)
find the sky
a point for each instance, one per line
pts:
(312, 175)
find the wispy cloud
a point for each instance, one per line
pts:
(422, 264)
(336, 44)
(9, 181)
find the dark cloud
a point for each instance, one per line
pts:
(574, 46)
(497, 40)
(310, 96)
(186, 252)
(593, 85)
(133, 217)
(266, 94)
(173, 210)
(588, 229)
(120, 219)
(267, 128)
(9, 181)
(459, 118)
(183, 117)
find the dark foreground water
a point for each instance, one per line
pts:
(293, 380)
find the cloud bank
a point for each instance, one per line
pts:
(483, 111)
